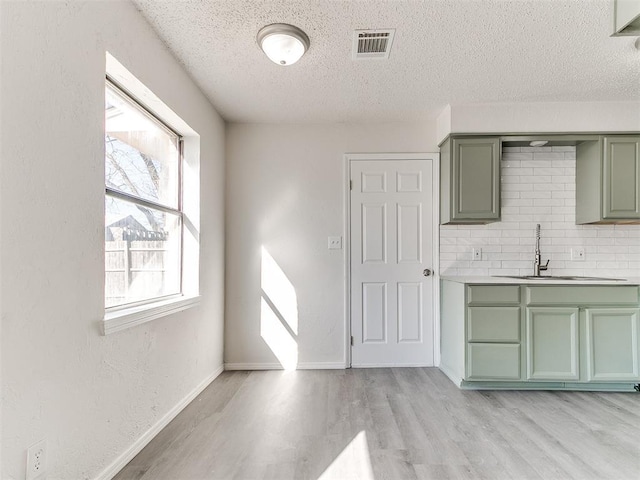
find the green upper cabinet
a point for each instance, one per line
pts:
(608, 180)
(470, 180)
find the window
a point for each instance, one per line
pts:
(143, 204)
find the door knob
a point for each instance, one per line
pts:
(426, 272)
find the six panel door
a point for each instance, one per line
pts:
(391, 231)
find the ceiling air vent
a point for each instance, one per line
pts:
(372, 43)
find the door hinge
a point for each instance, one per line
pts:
(352, 340)
(350, 184)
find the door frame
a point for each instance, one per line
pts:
(434, 157)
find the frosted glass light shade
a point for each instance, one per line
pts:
(284, 44)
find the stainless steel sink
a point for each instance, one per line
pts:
(559, 277)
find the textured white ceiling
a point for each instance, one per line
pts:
(446, 51)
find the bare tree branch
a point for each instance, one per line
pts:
(147, 213)
(153, 171)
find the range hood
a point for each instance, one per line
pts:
(551, 140)
(626, 18)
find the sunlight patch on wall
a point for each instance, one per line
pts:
(354, 462)
(280, 341)
(278, 312)
(279, 290)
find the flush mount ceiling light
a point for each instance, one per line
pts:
(539, 143)
(284, 44)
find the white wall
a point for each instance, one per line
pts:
(538, 186)
(285, 191)
(89, 395)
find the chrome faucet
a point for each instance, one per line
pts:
(537, 267)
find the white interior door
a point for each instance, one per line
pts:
(391, 246)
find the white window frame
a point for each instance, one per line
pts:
(121, 317)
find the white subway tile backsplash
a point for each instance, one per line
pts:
(517, 187)
(537, 178)
(563, 194)
(510, 195)
(539, 163)
(563, 178)
(520, 171)
(538, 186)
(547, 171)
(536, 210)
(536, 149)
(544, 202)
(518, 202)
(550, 156)
(549, 187)
(534, 195)
(454, 232)
(515, 156)
(626, 241)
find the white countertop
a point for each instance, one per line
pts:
(546, 281)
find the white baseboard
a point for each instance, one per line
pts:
(252, 366)
(111, 471)
(321, 366)
(392, 365)
(277, 366)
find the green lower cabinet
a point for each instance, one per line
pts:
(493, 324)
(612, 344)
(493, 361)
(542, 336)
(552, 344)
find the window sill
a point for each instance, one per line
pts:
(130, 317)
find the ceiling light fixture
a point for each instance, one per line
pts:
(539, 143)
(284, 44)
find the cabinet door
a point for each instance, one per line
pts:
(493, 324)
(493, 361)
(552, 343)
(476, 179)
(612, 344)
(621, 179)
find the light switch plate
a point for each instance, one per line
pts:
(335, 243)
(37, 460)
(577, 254)
(477, 254)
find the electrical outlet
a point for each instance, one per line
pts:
(477, 254)
(577, 254)
(37, 460)
(335, 243)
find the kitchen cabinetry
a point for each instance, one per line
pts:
(612, 344)
(493, 332)
(552, 343)
(608, 180)
(540, 336)
(470, 180)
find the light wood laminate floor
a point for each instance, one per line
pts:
(404, 423)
